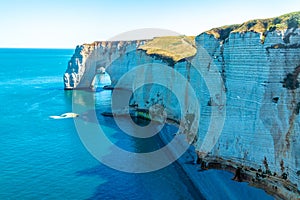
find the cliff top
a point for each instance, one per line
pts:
(171, 47)
(290, 20)
(177, 48)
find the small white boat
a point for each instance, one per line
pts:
(65, 116)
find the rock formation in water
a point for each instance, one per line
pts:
(259, 64)
(90, 59)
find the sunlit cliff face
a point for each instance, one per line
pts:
(261, 81)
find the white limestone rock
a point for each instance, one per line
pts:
(262, 92)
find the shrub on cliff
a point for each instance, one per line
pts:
(293, 21)
(290, 20)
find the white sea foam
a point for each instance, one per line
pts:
(65, 116)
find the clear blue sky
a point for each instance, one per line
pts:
(66, 23)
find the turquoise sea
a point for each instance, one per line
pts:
(43, 158)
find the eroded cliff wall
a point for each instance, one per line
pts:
(261, 78)
(88, 60)
(262, 125)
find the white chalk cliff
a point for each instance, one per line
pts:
(260, 72)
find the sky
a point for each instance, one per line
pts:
(67, 23)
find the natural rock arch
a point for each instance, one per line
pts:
(88, 59)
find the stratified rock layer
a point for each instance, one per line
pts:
(262, 125)
(260, 72)
(90, 59)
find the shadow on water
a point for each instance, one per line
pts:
(170, 182)
(117, 185)
(167, 183)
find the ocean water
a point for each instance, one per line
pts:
(43, 158)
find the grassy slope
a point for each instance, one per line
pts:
(178, 48)
(174, 47)
(290, 20)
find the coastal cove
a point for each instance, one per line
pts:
(234, 90)
(43, 158)
(150, 100)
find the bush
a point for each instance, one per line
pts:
(293, 22)
(277, 21)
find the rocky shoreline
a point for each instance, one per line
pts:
(245, 79)
(274, 185)
(277, 186)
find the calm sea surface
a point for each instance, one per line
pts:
(43, 158)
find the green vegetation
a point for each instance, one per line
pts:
(173, 49)
(290, 20)
(222, 32)
(176, 48)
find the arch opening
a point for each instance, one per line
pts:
(101, 81)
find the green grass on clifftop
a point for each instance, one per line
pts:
(287, 21)
(171, 47)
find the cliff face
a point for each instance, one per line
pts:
(90, 59)
(260, 72)
(262, 126)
